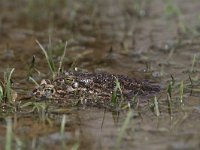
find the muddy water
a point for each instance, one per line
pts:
(154, 40)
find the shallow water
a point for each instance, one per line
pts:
(155, 40)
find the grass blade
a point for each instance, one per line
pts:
(181, 91)
(169, 104)
(62, 128)
(124, 127)
(116, 89)
(7, 77)
(9, 133)
(75, 146)
(1, 93)
(33, 80)
(169, 90)
(193, 63)
(156, 107)
(62, 58)
(48, 58)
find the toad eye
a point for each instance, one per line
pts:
(75, 85)
(48, 92)
(69, 80)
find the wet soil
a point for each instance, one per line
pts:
(158, 40)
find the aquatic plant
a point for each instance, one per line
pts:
(169, 97)
(62, 127)
(38, 107)
(181, 91)
(1, 92)
(75, 146)
(5, 87)
(9, 134)
(7, 77)
(32, 68)
(171, 9)
(194, 61)
(123, 128)
(33, 80)
(50, 61)
(156, 107)
(115, 100)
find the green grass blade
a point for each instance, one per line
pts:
(124, 127)
(62, 58)
(171, 9)
(169, 90)
(8, 85)
(62, 127)
(48, 58)
(1, 93)
(33, 80)
(76, 146)
(169, 104)
(114, 96)
(116, 89)
(194, 60)
(156, 107)
(9, 135)
(181, 91)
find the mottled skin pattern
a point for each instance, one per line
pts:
(92, 88)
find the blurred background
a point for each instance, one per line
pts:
(147, 39)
